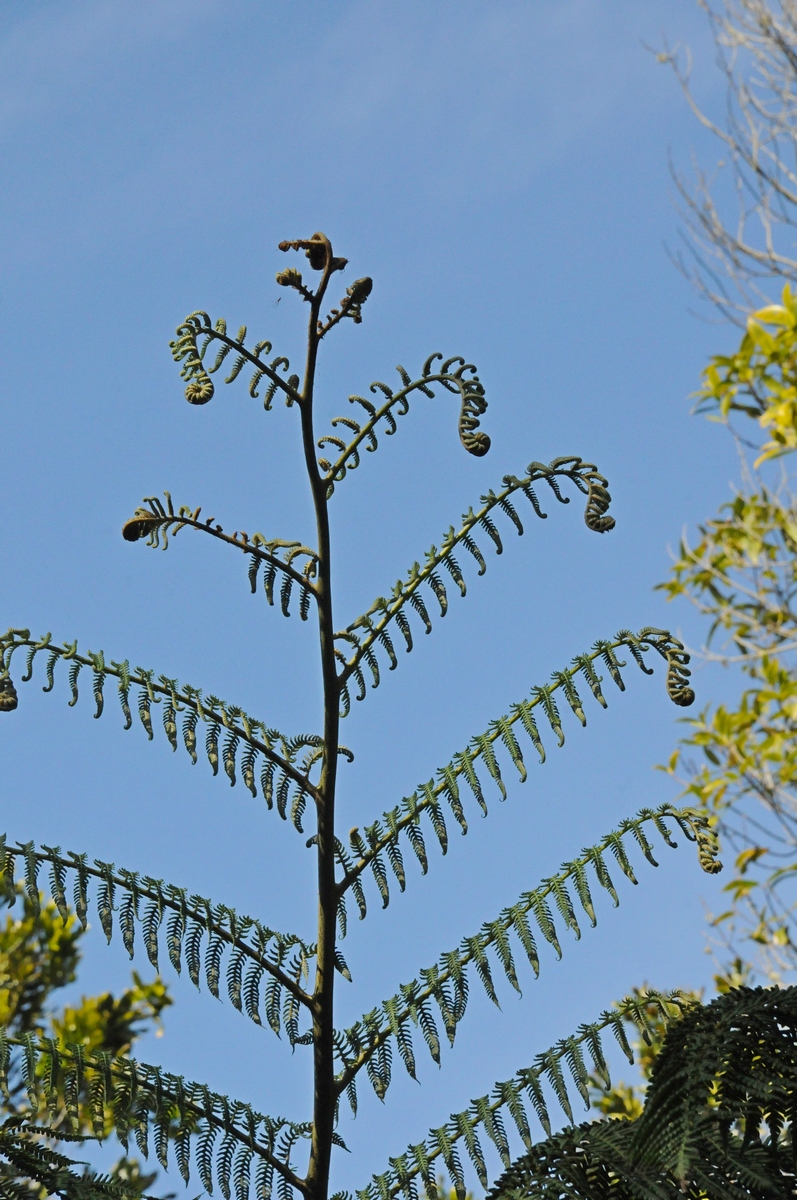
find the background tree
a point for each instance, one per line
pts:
(40, 953)
(742, 575)
(739, 234)
(283, 981)
(741, 218)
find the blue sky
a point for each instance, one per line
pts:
(500, 169)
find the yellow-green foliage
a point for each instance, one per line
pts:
(40, 954)
(760, 379)
(741, 574)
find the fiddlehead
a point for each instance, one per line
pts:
(520, 1098)
(199, 386)
(189, 925)
(294, 563)
(446, 985)
(284, 763)
(350, 306)
(372, 631)
(454, 375)
(384, 837)
(139, 1100)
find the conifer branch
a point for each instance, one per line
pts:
(447, 984)
(383, 837)
(222, 720)
(517, 1097)
(199, 387)
(188, 919)
(454, 375)
(157, 522)
(383, 611)
(139, 1099)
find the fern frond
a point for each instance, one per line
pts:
(279, 751)
(561, 892)
(296, 563)
(513, 1098)
(169, 1102)
(406, 592)
(738, 1054)
(404, 820)
(453, 375)
(717, 1121)
(36, 1168)
(199, 386)
(137, 901)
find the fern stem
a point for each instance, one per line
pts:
(317, 1181)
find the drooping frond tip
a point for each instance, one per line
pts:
(295, 565)
(453, 375)
(718, 1120)
(375, 629)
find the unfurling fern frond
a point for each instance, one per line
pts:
(350, 306)
(502, 735)
(407, 592)
(295, 562)
(188, 922)
(453, 375)
(446, 984)
(199, 386)
(259, 741)
(517, 1099)
(137, 1098)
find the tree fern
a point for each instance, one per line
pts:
(266, 975)
(718, 1120)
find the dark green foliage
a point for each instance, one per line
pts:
(28, 1166)
(142, 1101)
(718, 1121)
